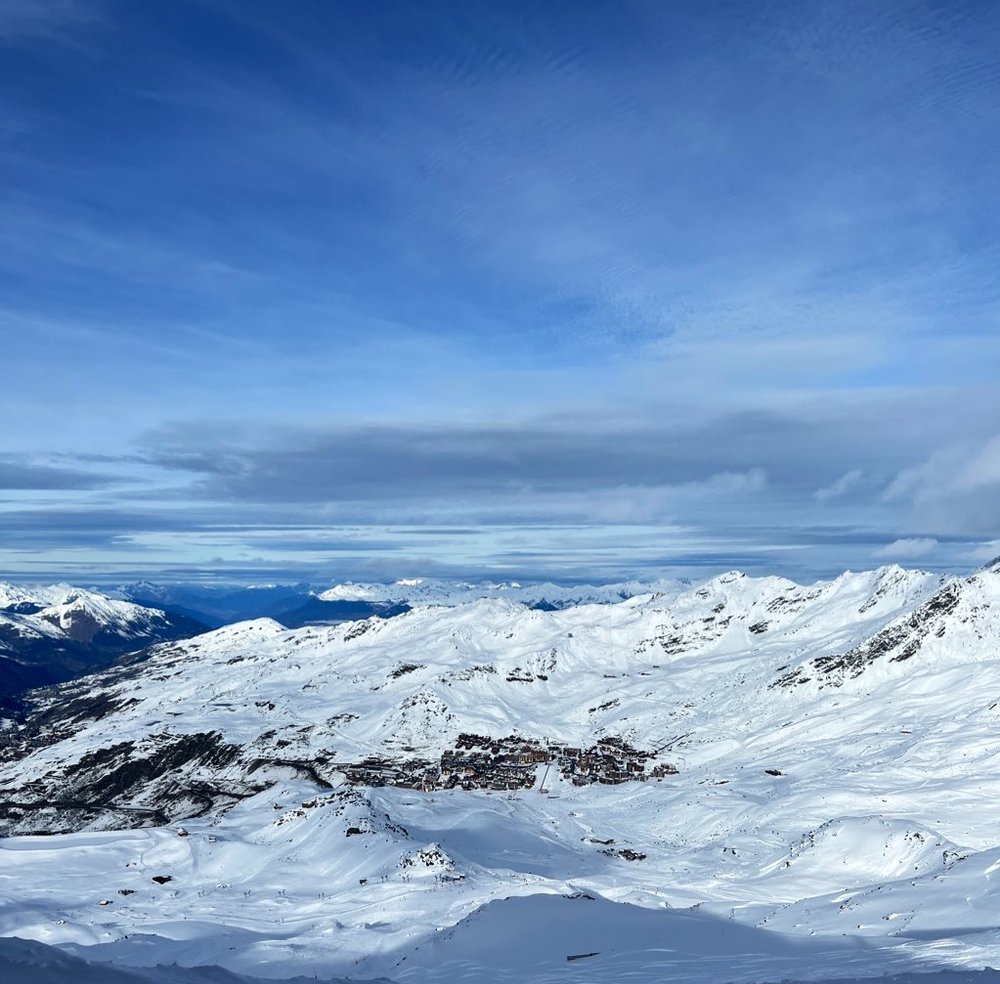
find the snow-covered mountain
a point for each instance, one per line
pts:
(743, 780)
(301, 604)
(545, 594)
(353, 600)
(54, 632)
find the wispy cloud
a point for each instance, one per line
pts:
(721, 273)
(34, 20)
(909, 548)
(955, 488)
(20, 474)
(842, 486)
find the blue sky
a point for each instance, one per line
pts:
(342, 289)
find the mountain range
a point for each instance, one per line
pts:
(53, 633)
(746, 779)
(294, 605)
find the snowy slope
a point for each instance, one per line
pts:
(831, 814)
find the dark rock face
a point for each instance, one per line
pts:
(81, 627)
(897, 642)
(116, 786)
(121, 785)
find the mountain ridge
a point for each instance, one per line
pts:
(352, 792)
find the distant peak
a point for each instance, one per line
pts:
(259, 626)
(729, 577)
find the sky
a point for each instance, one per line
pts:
(347, 290)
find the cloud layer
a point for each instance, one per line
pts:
(584, 289)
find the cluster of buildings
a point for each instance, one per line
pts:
(611, 761)
(512, 763)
